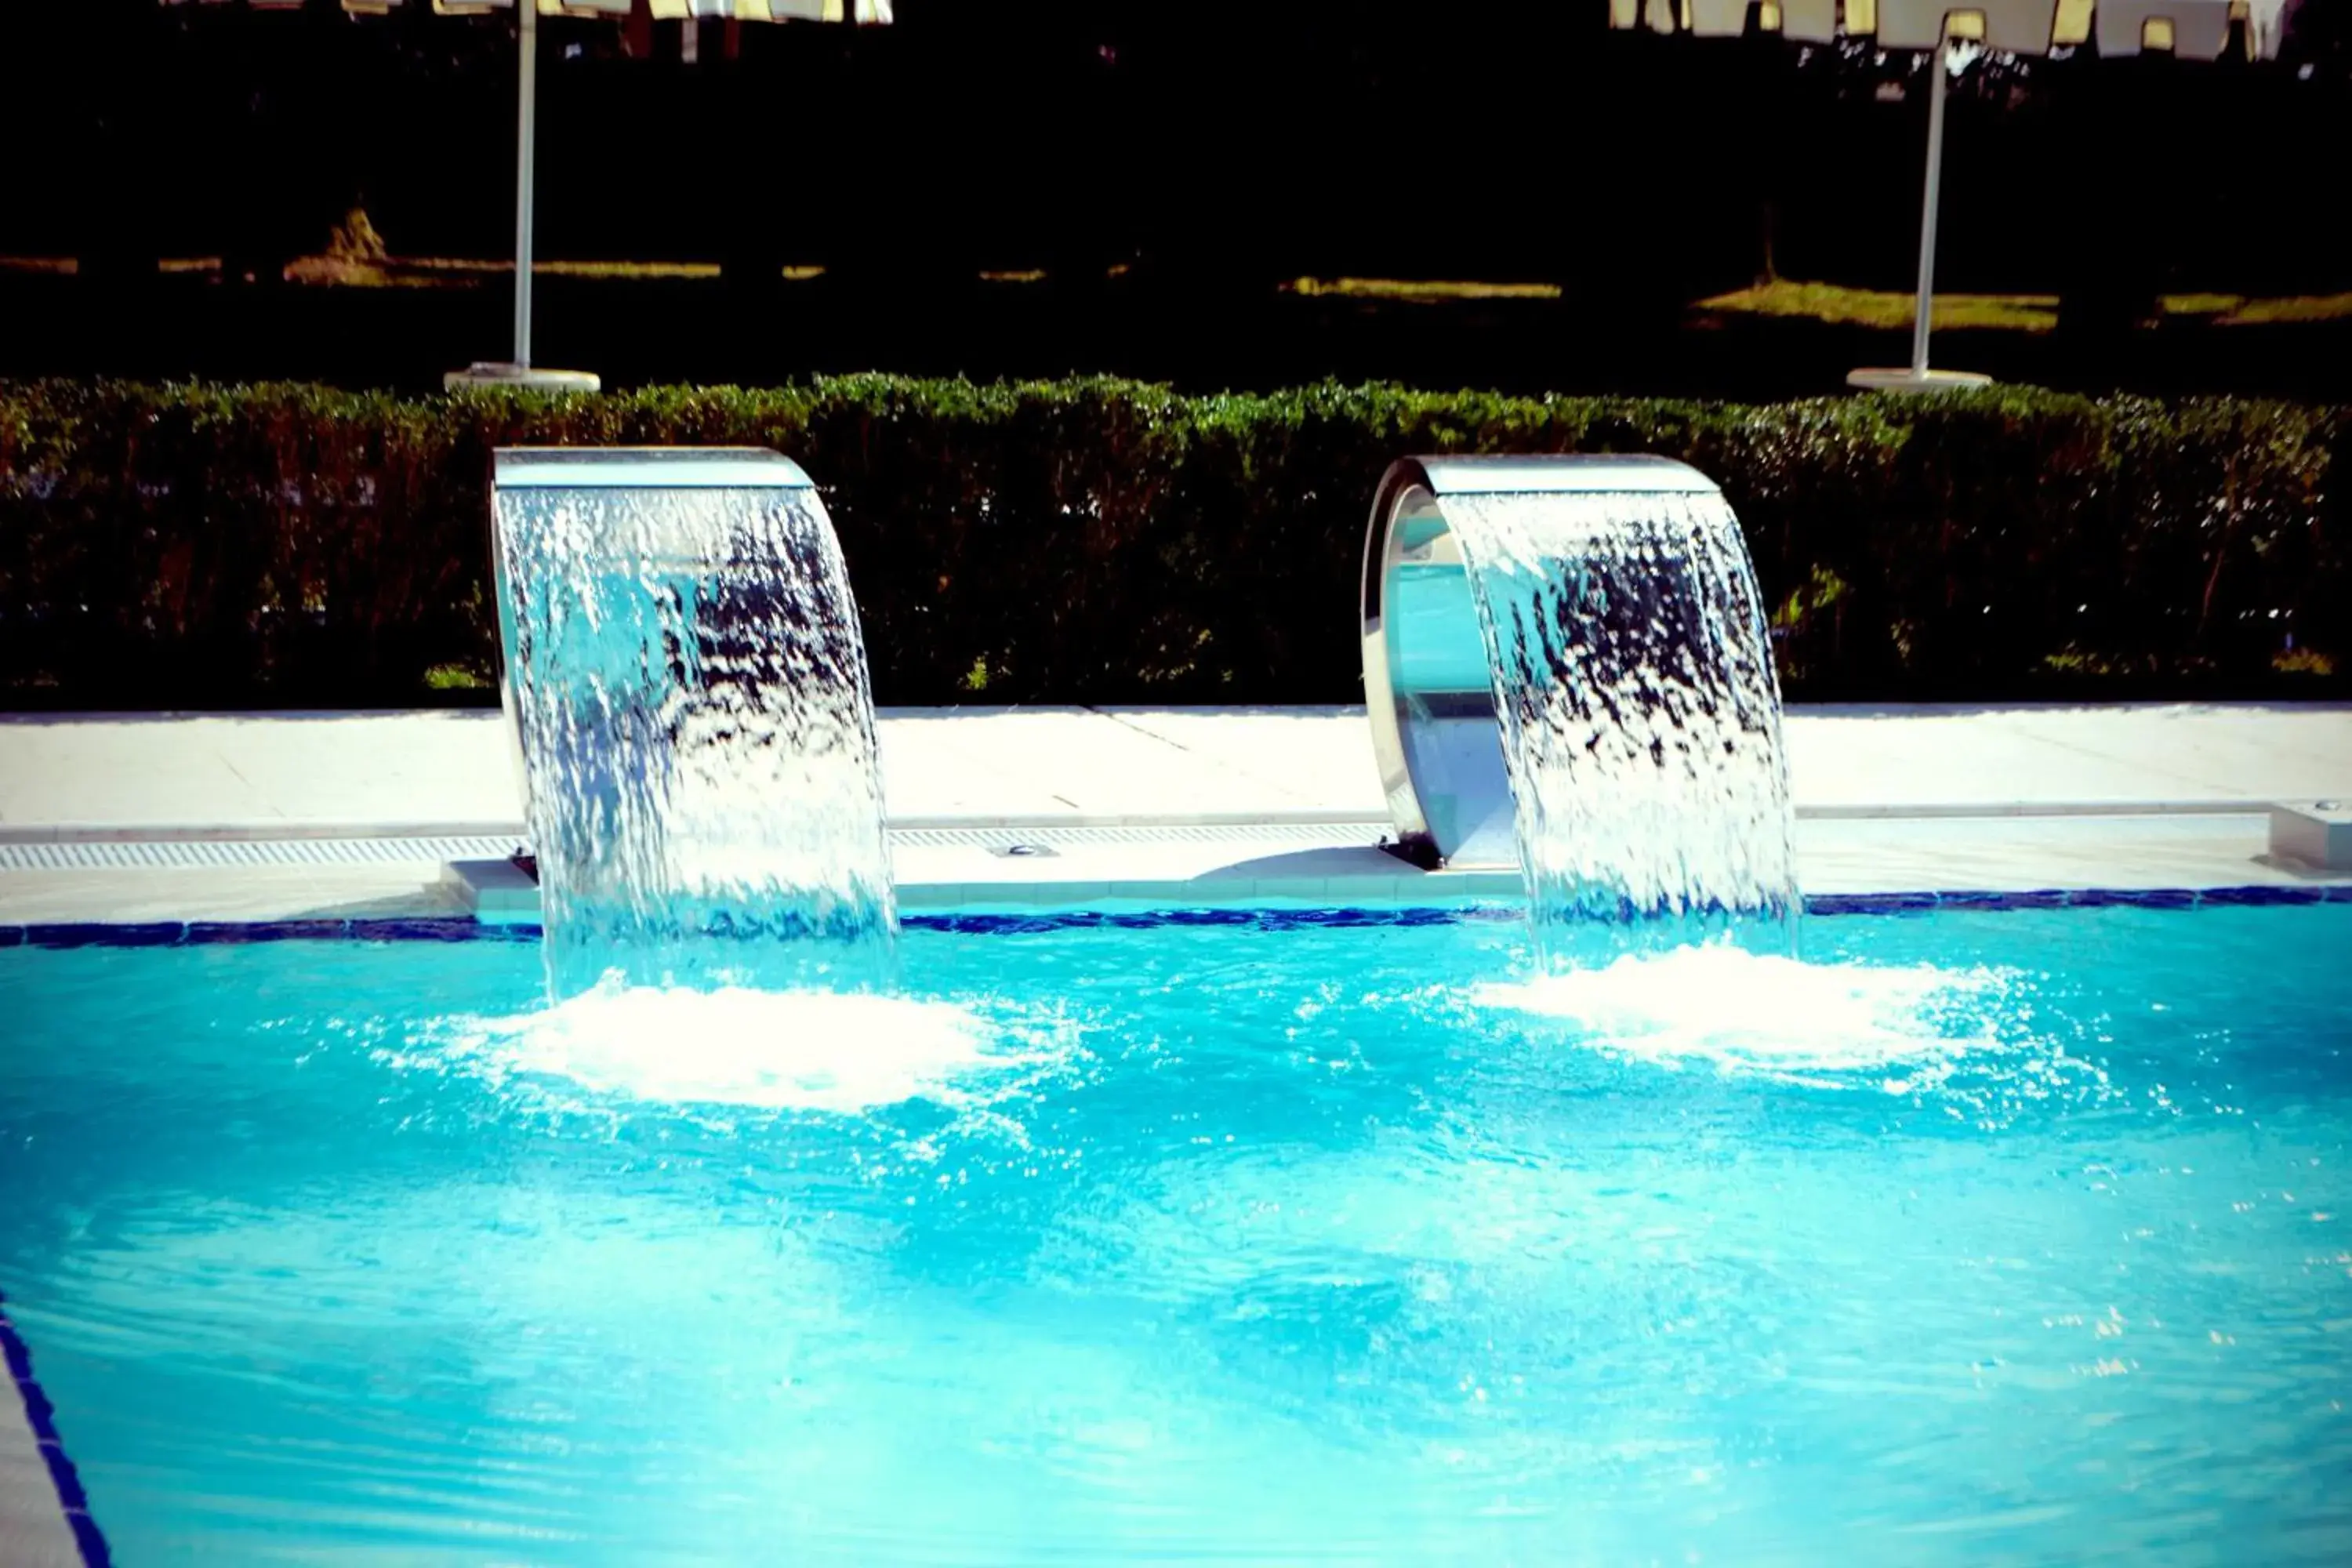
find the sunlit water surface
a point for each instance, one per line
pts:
(2022, 1238)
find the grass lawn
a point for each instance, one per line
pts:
(1417, 291)
(1831, 304)
(1836, 305)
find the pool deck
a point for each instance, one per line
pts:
(102, 816)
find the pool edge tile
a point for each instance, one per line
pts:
(232, 932)
(464, 928)
(88, 1540)
(103, 933)
(2264, 896)
(1063, 906)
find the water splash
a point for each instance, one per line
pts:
(1895, 1026)
(690, 691)
(1640, 716)
(792, 1050)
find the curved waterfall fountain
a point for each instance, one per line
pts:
(1566, 665)
(686, 682)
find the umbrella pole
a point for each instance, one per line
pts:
(1922, 323)
(526, 148)
(520, 371)
(1917, 377)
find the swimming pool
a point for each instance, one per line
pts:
(2021, 1236)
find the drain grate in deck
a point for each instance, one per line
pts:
(1290, 833)
(197, 854)
(229, 854)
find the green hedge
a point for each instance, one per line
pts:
(1110, 542)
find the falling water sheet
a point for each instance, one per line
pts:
(692, 700)
(1639, 713)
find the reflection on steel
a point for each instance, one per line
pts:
(1427, 675)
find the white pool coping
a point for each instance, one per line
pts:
(1168, 806)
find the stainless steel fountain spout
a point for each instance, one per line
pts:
(1428, 674)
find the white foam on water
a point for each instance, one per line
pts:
(1739, 1010)
(784, 1051)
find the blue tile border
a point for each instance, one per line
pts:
(428, 930)
(1872, 903)
(39, 1415)
(208, 933)
(2037, 899)
(197, 934)
(2256, 896)
(94, 933)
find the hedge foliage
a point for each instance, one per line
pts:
(1101, 541)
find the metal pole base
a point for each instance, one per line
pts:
(522, 377)
(1908, 379)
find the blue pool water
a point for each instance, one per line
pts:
(2016, 1236)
